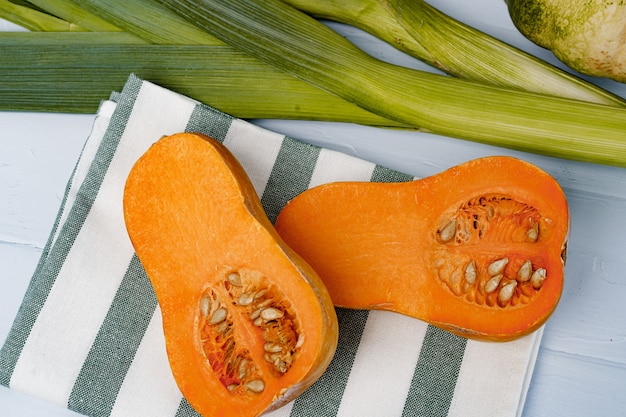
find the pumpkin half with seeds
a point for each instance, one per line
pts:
(248, 324)
(478, 250)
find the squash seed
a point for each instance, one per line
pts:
(235, 279)
(497, 267)
(223, 327)
(260, 294)
(265, 303)
(525, 271)
(272, 347)
(243, 368)
(533, 233)
(455, 279)
(300, 341)
(470, 273)
(218, 316)
(245, 299)
(447, 232)
(492, 284)
(506, 292)
(256, 385)
(255, 314)
(281, 365)
(271, 313)
(205, 305)
(538, 277)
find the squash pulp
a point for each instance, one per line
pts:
(478, 250)
(248, 324)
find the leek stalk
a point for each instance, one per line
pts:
(48, 72)
(71, 12)
(288, 65)
(33, 19)
(150, 21)
(424, 32)
(296, 43)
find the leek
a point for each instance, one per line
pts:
(422, 31)
(441, 41)
(296, 43)
(146, 19)
(33, 19)
(48, 73)
(150, 21)
(288, 65)
(71, 12)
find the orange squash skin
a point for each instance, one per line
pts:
(385, 245)
(202, 236)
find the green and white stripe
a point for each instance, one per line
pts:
(88, 334)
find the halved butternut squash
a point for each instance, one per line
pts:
(248, 324)
(478, 249)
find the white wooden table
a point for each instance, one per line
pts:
(581, 367)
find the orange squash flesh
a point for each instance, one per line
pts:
(424, 248)
(248, 324)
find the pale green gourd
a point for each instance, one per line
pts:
(587, 35)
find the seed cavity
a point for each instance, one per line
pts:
(491, 283)
(245, 301)
(466, 264)
(491, 218)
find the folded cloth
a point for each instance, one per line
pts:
(88, 334)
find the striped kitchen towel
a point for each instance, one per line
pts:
(88, 334)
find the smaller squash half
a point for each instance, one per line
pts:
(478, 249)
(248, 324)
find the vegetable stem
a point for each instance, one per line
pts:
(150, 21)
(280, 35)
(265, 58)
(424, 32)
(70, 11)
(34, 20)
(47, 73)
